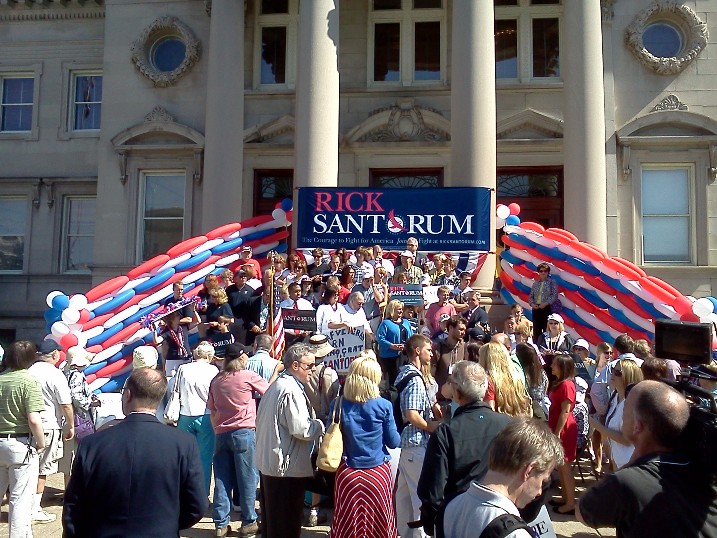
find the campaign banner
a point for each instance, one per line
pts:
(300, 320)
(448, 219)
(408, 294)
(347, 344)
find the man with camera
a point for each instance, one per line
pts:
(661, 492)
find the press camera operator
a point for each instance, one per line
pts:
(662, 491)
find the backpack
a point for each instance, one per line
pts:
(503, 525)
(394, 396)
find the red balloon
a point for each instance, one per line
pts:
(514, 208)
(84, 316)
(290, 215)
(68, 340)
(532, 226)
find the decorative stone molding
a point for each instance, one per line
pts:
(158, 114)
(695, 30)
(164, 26)
(403, 122)
(606, 9)
(671, 102)
(274, 129)
(712, 169)
(625, 160)
(529, 124)
(14, 14)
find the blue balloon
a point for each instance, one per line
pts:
(156, 280)
(60, 302)
(193, 261)
(259, 234)
(51, 315)
(513, 220)
(117, 301)
(287, 204)
(116, 383)
(96, 367)
(714, 303)
(510, 258)
(228, 245)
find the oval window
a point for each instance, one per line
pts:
(662, 40)
(168, 53)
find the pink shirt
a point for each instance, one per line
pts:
(433, 314)
(230, 400)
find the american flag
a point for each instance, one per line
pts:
(276, 320)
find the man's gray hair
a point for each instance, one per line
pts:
(296, 353)
(470, 379)
(263, 341)
(355, 295)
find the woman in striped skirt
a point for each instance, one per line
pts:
(363, 505)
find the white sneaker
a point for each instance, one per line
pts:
(41, 516)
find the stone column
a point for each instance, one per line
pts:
(585, 196)
(222, 187)
(316, 135)
(473, 107)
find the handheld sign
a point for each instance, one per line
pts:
(299, 320)
(347, 344)
(408, 294)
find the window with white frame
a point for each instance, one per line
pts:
(17, 102)
(162, 211)
(407, 42)
(275, 37)
(12, 233)
(666, 223)
(86, 106)
(527, 39)
(78, 233)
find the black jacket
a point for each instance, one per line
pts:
(457, 453)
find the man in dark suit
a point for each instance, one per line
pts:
(138, 478)
(475, 314)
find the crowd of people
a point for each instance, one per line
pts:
(451, 425)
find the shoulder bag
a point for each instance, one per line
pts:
(331, 450)
(171, 412)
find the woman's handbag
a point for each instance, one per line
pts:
(83, 426)
(331, 450)
(171, 412)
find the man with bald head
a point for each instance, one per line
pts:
(138, 478)
(660, 492)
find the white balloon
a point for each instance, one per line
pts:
(78, 301)
(702, 308)
(70, 315)
(502, 211)
(81, 340)
(59, 329)
(499, 223)
(279, 214)
(51, 296)
(52, 337)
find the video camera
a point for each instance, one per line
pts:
(690, 344)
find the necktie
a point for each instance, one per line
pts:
(296, 305)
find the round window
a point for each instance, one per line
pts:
(168, 53)
(662, 40)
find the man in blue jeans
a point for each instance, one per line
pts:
(233, 416)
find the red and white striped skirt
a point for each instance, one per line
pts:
(363, 503)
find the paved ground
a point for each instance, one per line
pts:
(565, 526)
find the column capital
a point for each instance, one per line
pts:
(606, 8)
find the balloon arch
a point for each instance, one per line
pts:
(601, 296)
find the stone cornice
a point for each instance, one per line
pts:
(8, 13)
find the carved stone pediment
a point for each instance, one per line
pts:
(278, 131)
(529, 125)
(158, 114)
(405, 121)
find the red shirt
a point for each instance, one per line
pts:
(231, 400)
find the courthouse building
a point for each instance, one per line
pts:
(129, 125)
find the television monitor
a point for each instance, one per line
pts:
(683, 341)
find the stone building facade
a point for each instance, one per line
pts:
(127, 126)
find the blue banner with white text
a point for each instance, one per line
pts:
(448, 219)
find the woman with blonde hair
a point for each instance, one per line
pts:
(363, 503)
(391, 336)
(505, 394)
(624, 374)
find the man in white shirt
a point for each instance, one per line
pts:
(57, 418)
(521, 459)
(355, 317)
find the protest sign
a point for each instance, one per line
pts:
(348, 345)
(300, 320)
(408, 294)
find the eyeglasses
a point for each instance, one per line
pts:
(608, 352)
(306, 366)
(552, 323)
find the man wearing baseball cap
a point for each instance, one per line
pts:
(414, 274)
(246, 259)
(57, 418)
